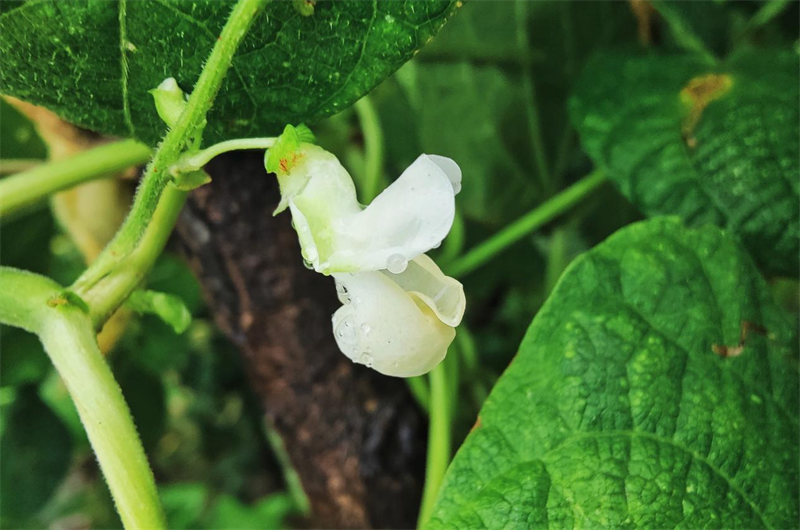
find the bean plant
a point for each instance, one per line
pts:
(619, 179)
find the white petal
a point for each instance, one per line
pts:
(409, 218)
(451, 169)
(444, 295)
(386, 328)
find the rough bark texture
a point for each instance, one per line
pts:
(356, 438)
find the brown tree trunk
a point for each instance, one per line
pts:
(355, 437)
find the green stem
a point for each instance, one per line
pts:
(438, 456)
(419, 389)
(70, 342)
(373, 148)
(538, 217)
(293, 483)
(23, 190)
(468, 352)
(201, 158)
(158, 175)
(113, 289)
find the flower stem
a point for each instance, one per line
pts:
(157, 175)
(201, 158)
(25, 189)
(26, 301)
(534, 219)
(438, 456)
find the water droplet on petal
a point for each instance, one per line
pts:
(365, 327)
(367, 360)
(395, 365)
(346, 332)
(310, 253)
(396, 263)
(308, 264)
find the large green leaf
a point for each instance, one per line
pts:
(618, 413)
(93, 62)
(726, 154)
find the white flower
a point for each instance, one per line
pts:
(400, 311)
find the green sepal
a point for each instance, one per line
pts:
(281, 157)
(191, 180)
(167, 307)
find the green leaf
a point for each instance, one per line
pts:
(726, 153)
(184, 504)
(35, 450)
(94, 62)
(618, 413)
(268, 513)
(167, 307)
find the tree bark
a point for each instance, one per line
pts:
(356, 438)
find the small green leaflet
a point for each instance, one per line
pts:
(618, 412)
(167, 307)
(673, 146)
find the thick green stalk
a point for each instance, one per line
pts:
(36, 304)
(71, 343)
(25, 189)
(189, 125)
(536, 218)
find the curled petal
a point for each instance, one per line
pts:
(396, 331)
(443, 294)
